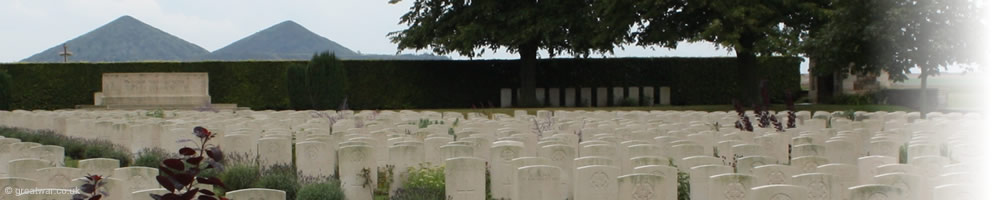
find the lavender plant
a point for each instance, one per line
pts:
(763, 115)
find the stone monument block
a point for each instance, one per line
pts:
(189, 88)
(585, 97)
(664, 95)
(505, 97)
(602, 96)
(554, 97)
(570, 97)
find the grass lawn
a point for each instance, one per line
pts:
(708, 108)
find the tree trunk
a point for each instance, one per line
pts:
(527, 72)
(923, 93)
(746, 71)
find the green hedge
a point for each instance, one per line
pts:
(4, 90)
(403, 84)
(260, 85)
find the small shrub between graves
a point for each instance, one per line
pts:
(683, 186)
(280, 177)
(74, 148)
(327, 190)
(150, 157)
(239, 175)
(424, 182)
(385, 175)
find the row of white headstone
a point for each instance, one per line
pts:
(576, 155)
(568, 96)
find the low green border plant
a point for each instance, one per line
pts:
(74, 148)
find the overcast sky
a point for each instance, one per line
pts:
(31, 26)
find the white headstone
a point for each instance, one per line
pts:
(775, 174)
(144, 194)
(808, 164)
(873, 192)
(58, 177)
(466, 178)
(617, 95)
(354, 160)
(643, 186)
(505, 97)
(731, 186)
(912, 186)
(699, 179)
(819, 186)
(868, 167)
(502, 170)
(602, 96)
(778, 192)
(25, 168)
(274, 151)
(314, 159)
(539, 182)
(554, 97)
(596, 182)
(665, 95)
(258, 194)
(138, 178)
(99, 166)
(15, 183)
(562, 156)
(570, 98)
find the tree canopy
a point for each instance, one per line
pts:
(896, 36)
(750, 28)
(517, 26)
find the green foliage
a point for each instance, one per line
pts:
(69, 162)
(65, 85)
(413, 84)
(418, 193)
(105, 149)
(683, 186)
(239, 175)
(158, 113)
(424, 182)
(298, 89)
(627, 102)
(849, 114)
(859, 99)
(74, 148)
(326, 78)
(470, 27)
(150, 157)
(895, 36)
(903, 153)
(385, 178)
(425, 175)
(327, 190)
(751, 29)
(424, 123)
(279, 177)
(4, 90)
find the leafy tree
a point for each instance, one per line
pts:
(868, 37)
(519, 26)
(751, 28)
(326, 79)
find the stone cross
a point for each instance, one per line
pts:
(65, 53)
